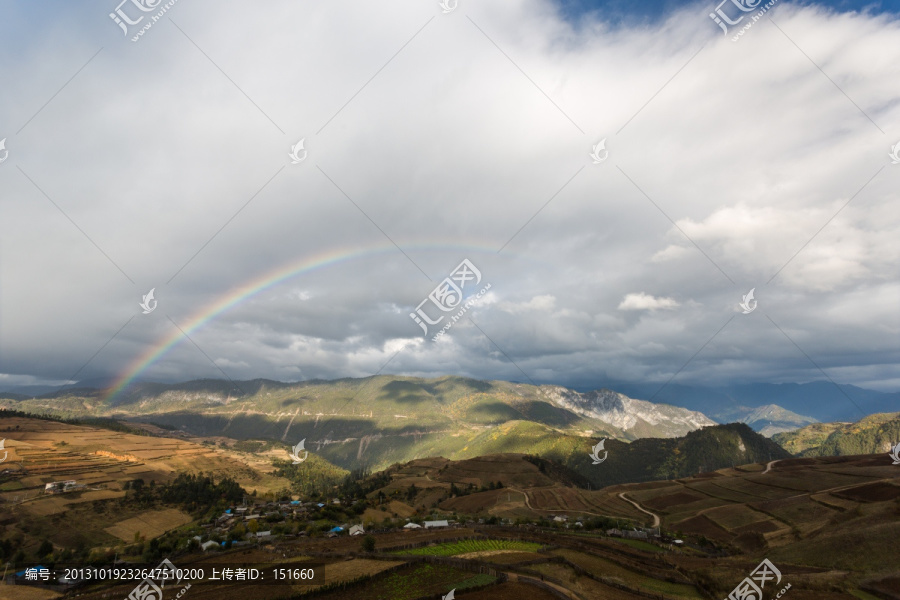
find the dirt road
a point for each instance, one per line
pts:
(642, 509)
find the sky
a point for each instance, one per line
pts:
(293, 183)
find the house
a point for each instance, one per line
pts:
(561, 519)
(207, 546)
(337, 529)
(433, 524)
(634, 534)
(357, 530)
(61, 487)
(412, 526)
(614, 532)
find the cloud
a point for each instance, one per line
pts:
(432, 138)
(642, 301)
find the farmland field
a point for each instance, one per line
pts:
(735, 516)
(468, 546)
(150, 524)
(872, 492)
(414, 582)
(607, 568)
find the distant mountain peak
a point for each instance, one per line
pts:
(628, 414)
(770, 419)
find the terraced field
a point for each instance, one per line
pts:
(100, 461)
(796, 499)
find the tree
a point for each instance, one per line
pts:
(253, 526)
(368, 543)
(45, 549)
(238, 532)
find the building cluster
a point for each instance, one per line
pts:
(643, 533)
(267, 512)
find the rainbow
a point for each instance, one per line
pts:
(259, 284)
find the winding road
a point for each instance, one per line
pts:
(769, 466)
(642, 509)
(561, 510)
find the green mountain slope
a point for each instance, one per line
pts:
(871, 435)
(646, 459)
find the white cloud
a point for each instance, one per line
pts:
(642, 301)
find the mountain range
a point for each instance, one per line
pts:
(328, 410)
(378, 421)
(802, 403)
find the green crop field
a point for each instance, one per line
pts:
(466, 546)
(412, 583)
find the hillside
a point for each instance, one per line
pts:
(871, 435)
(793, 511)
(646, 459)
(103, 463)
